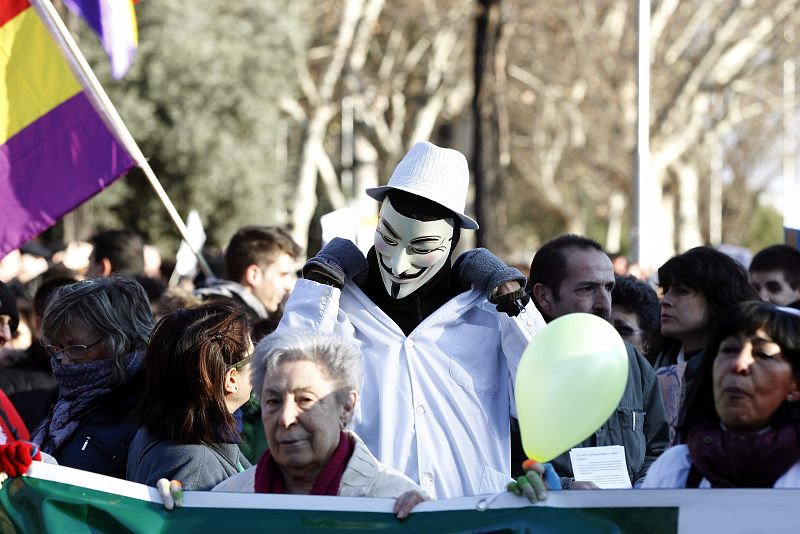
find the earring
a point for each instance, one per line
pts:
(235, 388)
(791, 397)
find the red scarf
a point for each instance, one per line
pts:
(269, 478)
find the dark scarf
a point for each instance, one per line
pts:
(79, 386)
(409, 311)
(743, 459)
(269, 478)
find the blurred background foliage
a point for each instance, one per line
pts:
(202, 101)
(274, 112)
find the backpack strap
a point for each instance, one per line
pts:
(11, 427)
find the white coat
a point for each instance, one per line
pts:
(364, 476)
(436, 404)
(671, 470)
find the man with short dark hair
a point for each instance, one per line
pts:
(116, 251)
(775, 273)
(260, 261)
(571, 274)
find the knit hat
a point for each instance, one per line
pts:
(438, 174)
(8, 306)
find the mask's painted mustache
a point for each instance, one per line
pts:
(402, 276)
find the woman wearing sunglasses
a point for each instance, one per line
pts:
(197, 369)
(95, 332)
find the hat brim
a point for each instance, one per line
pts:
(378, 193)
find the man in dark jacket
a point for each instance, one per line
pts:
(28, 380)
(572, 274)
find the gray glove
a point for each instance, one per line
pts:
(485, 271)
(338, 261)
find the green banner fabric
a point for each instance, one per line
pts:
(32, 505)
(52, 498)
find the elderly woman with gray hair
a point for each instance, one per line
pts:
(95, 332)
(309, 385)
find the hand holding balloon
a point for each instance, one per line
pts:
(538, 478)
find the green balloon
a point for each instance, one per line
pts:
(569, 382)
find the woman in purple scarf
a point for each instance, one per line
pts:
(743, 423)
(95, 332)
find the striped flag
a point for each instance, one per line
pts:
(55, 150)
(114, 21)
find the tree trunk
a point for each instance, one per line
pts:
(489, 198)
(688, 207)
(365, 209)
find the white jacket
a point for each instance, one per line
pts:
(364, 476)
(671, 470)
(435, 404)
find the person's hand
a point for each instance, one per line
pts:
(503, 285)
(510, 298)
(583, 485)
(535, 483)
(407, 501)
(171, 493)
(17, 456)
(338, 261)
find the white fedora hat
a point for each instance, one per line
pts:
(438, 174)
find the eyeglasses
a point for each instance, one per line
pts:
(625, 330)
(75, 352)
(241, 363)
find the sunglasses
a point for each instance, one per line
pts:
(241, 363)
(74, 352)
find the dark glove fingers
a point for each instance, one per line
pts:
(512, 303)
(323, 272)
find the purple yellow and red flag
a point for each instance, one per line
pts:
(114, 21)
(56, 151)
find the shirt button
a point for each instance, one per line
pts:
(420, 410)
(427, 481)
(409, 343)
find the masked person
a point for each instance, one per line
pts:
(441, 342)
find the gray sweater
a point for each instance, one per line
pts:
(197, 466)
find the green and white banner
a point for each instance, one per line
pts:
(59, 499)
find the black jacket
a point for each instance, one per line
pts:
(29, 383)
(100, 444)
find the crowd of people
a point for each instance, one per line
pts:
(392, 374)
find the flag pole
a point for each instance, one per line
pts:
(110, 115)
